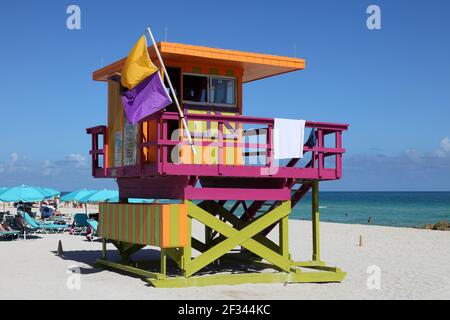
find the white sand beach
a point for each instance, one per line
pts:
(414, 264)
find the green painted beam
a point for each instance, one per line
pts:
(175, 255)
(236, 223)
(104, 257)
(315, 221)
(237, 237)
(129, 269)
(308, 263)
(236, 279)
(284, 237)
(163, 260)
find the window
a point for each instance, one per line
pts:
(223, 91)
(209, 90)
(195, 88)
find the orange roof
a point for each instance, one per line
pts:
(255, 65)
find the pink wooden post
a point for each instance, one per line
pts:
(140, 150)
(320, 139)
(105, 163)
(338, 138)
(159, 161)
(269, 155)
(220, 147)
(165, 138)
(94, 152)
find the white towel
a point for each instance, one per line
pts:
(288, 138)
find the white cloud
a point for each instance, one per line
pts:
(47, 168)
(14, 157)
(75, 157)
(444, 148)
(70, 162)
(15, 164)
(70, 172)
(445, 144)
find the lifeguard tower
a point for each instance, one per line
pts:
(230, 185)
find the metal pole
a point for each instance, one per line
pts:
(180, 111)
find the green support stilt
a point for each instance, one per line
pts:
(104, 249)
(186, 252)
(284, 237)
(315, 221)
(163, 259)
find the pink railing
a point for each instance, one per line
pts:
(316, 168)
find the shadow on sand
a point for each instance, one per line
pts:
(89, 257)
(148, 259)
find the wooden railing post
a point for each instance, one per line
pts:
(94, 154)
(269, 155)
(315, 220)
(159, 160)
(220, 147)
(338, 138)
(140, 155)
(165, 138)
(321, 143)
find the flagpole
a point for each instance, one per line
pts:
(180, 111)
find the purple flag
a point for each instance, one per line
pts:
(146, 98)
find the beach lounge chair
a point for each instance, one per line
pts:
(44, 227)
(92, 230)
(7, 233)
(80, 223)
(19, 224)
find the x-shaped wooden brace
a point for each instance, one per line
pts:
(243, 237)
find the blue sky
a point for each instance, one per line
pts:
(391, 85)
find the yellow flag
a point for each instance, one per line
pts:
(138, 65)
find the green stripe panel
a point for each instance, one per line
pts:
(119, 222)
(148, 213)
(141, 224)
(113, 222)
(127, 229)
(133, 225)
(174, 224)
(156, 227)
(106, 225)
(130, 218)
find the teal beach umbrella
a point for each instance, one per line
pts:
(3, 189)
(77, 195)
(132, 200)
(45, 192)
(23, 193)
(100, 196)
(52, 192)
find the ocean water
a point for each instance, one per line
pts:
(400, 209)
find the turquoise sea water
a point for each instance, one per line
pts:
(402, 209)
